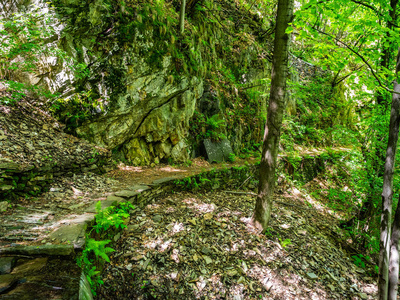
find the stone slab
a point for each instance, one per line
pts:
(126, 194)
(74, 234)
(217, 151)
(49, 250)
(139, 188)
(163, 180)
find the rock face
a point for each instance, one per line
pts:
(149, 77)
(149, 122)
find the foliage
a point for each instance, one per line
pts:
(80, 107)
(112, 217)
(90, 259)
(26, 49)
(219, 47)
(95, 254)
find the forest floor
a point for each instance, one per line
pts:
(202, 246)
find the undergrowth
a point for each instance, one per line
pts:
(107, 223)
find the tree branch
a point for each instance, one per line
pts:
(360, 56)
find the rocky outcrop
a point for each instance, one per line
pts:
(149, 78)
(150, 122)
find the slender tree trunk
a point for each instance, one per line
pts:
(394, 256)
(387, 196)
(262, 212)
(182, 17)
(393, 268)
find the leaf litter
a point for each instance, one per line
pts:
(203, 246)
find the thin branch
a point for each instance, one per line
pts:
(361, 57)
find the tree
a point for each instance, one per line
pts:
(276, 107)
(389, 254)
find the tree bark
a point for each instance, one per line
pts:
(182, 16)
(393, 268)
(387, 195)
(394, 256)
(262, 211)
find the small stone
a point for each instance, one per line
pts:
(117, 237)
(312, 276)
(157, 218)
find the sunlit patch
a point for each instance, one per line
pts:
(151, 244)
(175, 255)
(201, 207)
(174, 228)
(171, 169)
(189, 200)
(170, 210)
(130, 168)
(165, 245)
(153, 206)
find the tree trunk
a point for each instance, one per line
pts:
(393, 268)
(182, 17)
(262, 211)
(387, 195)
(394, 256)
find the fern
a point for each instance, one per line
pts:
(111, 217)
(99, 248)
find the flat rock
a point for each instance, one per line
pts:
(114, 198)
(61, 250)
(139, 188)
(163, 180)
(312, 276)
(126, 194)
(74, 234)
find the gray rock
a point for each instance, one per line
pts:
(218, 151)
(49, 250)
(312, 276)
(126, 194)
(139, 188)
(74, 234)
(7, 264)
(114, 198)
